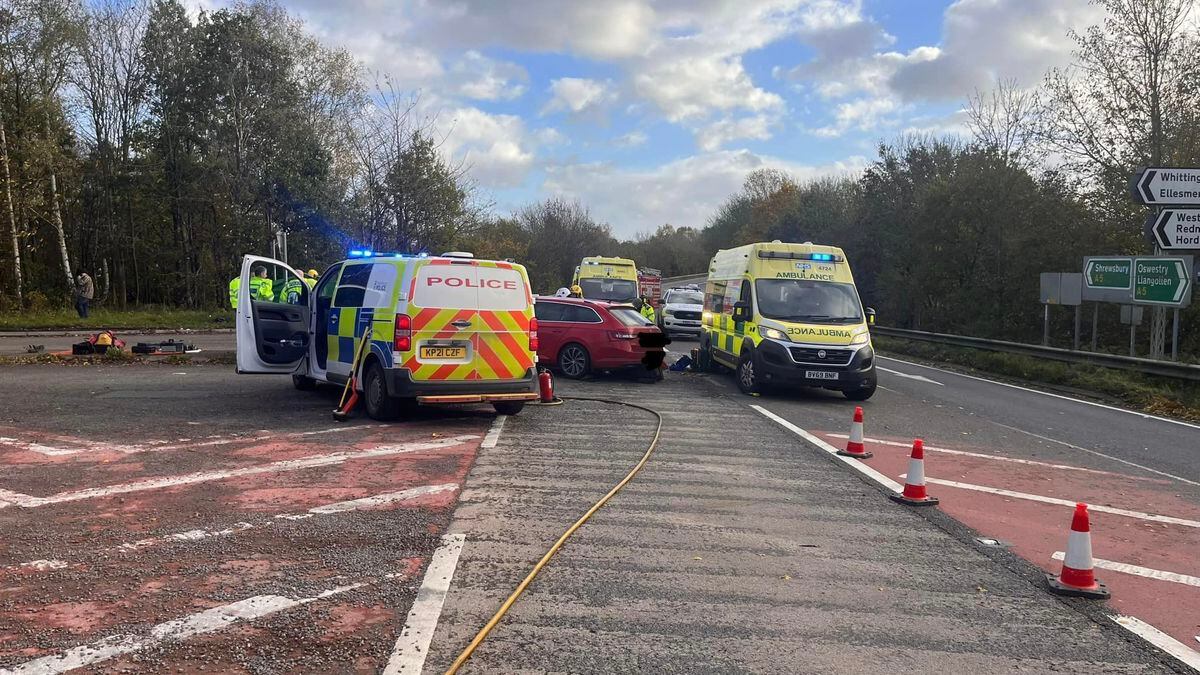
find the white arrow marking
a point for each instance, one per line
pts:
(911, 377)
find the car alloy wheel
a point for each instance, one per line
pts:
(573, 361)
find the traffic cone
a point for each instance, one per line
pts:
(914, 483)
(1077, 577)
(854, 446)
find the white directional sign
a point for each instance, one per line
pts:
(1175, 228)
(1167, 186)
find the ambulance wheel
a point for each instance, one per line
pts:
(574, 361)
(304, 383)
(380, 406)
(861, 394)
(508, 407)
(747, 372)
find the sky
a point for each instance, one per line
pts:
(652, 112)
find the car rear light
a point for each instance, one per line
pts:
(533, 338)
(619, 335)
(403, 332)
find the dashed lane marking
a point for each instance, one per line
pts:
(28, 501)
(1159, 639)
(1064, 502)
(493, 434)
(918, 378)
(1046, 393)
(408, 655)
(856, 464)
(1099, 454)
(177, 630)
(199, 534)
(981, 455)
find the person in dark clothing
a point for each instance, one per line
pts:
(85, 290)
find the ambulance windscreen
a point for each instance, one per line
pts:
(808, 301)
(613, 290)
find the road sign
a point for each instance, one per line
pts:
(1061, 288)
(1167, 186)
(1163, 281)
(1175, 228)
(1108, 279)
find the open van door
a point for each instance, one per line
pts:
(273, 317)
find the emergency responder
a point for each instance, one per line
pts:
(234, 285)
(292, 290)
(310, 278)
(576, 291)
(647, 309)
(260, 285)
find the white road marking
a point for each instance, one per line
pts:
(493, 434)
(177, 630)
(1159, 639)
(412, 646)
(918, 378)
(1100, 454)
(388, 498)
(1149, 573)
(28, 501)
(199, 534)
(981, 455)
(856, 464)
(1065, 502)
(1046, 393)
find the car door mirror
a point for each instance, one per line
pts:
(741, 311)
(870, 316)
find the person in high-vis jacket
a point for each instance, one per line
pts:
(310, 278)
(291, 291)
(235, 284)
(647, 310)
(260, 285)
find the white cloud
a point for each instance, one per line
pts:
(866, 114)
(576, 95)
(689, 89)
(631, 139)
(683, 192)
(486, 79)
(494, 147)
(717, 134)
(986, 40)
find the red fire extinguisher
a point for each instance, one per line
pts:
(546, 386)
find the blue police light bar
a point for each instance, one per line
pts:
(361, 253)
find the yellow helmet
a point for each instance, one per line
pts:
(312, 274)
(577, 290)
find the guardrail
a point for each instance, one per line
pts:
(1183, 371)
(675, 282)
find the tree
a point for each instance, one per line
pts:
(561, 233)
(1006, 119)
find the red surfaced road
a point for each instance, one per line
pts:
(1036, 529)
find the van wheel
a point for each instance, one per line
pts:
(304, 382)
(747, 372)
(380, 406)
(574, 361)
(508, 407)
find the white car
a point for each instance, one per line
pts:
(681, 308)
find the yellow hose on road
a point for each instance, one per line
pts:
(495, 620)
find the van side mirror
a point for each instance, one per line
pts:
(741, 311)
(870, 316)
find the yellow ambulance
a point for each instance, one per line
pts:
(787, 315)
(609, 279)
(441, 329)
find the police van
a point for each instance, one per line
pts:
(440, 329)
(608, 279)
(788, 315)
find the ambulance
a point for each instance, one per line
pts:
(787, 315)
(440, 330)
(608, 279)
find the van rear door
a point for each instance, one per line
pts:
(444, 322)
(505, 309)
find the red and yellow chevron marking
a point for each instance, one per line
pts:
(499, 338)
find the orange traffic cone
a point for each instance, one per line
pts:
(914, 484)
(854, 446)
(1077, 577)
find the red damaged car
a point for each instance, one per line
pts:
(577, 336)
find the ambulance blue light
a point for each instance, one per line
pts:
(827, 257)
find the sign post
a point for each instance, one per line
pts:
(1165, 281)
(1107, 279)
(1167, 186)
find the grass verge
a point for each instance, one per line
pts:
(144, 318)
(1168, 397)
